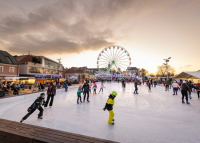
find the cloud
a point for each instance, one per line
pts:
(186, 66)
(70, 26)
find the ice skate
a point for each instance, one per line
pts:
(111, 123)
(88, 101)
(187, 102)
(21, 120)
(183, 101)
(40, 117)
(81, 101)
(77, 102)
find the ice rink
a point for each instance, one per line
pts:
(149, 117)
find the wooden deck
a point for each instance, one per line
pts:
(14, 132)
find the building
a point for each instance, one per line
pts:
(39, 67)
(132, 70)
(79, 74)
(79, 68)
(9, 66)
(95, 70)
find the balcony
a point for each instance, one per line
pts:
(40, 65)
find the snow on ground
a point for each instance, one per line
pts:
(149, 117)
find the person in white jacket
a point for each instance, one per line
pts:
(175, 87)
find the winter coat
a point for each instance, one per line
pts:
(79, 92)
(37, 103)
(175, 85)
(51, 90)
(167, 82)
(198, 87)
(110, 102)
(86, 87)
(95, 86)
(185, 87)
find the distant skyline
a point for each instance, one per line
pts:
(76, 31)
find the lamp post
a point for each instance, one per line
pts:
(166, 61)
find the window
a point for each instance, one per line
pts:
(1, 68)
(11, 69)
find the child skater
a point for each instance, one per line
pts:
(79, 93)
(95, 88)
(101, 88)
(109, 106)
(36, 105)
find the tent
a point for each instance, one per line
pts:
(188, 75)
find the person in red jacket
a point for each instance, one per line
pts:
(51, 92)
(198, 89)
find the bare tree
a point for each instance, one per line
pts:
(162, 71)
(144, 72)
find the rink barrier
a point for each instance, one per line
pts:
(31, 96)
(15, 132)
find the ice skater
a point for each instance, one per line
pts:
(109, 106)
(86, 89)
(149, 85)
(79, 94)
(175, 87)
(65, 87)
(184, 91)
(167, 83)
(51, 92)
(101, 88)
(36, 105)
(94, 88)
(136, 88)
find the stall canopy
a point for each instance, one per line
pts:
(188, 75)
(18, 78)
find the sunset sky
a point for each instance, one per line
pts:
(77, 30)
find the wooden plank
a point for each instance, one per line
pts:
(73, 135)
(15, 132)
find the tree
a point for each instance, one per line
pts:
(144, 72)
(162, 71)
(152, 74)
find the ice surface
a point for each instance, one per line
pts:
(149, 117)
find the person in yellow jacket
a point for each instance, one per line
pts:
(109, 106)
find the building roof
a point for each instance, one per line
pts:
(75, 71)
(132, 68)
(188, 75)
(6, 58)
(96, 69)
(19, 58)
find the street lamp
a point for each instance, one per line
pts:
(166, 60)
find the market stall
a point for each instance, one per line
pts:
(193, 76)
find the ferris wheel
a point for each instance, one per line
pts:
(114, 57)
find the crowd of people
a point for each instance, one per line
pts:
(13, 87)
(186, 87)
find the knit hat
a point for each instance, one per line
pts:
(42, 95)
(114, 93)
